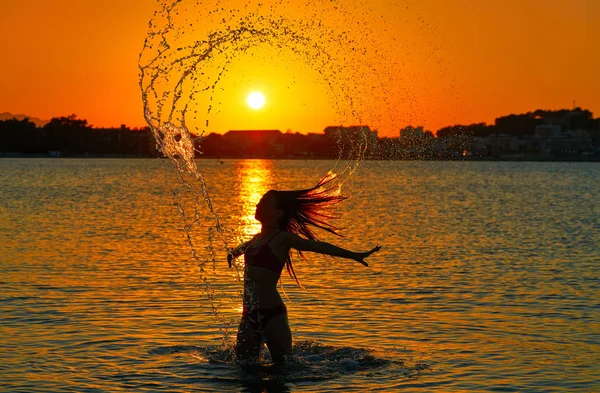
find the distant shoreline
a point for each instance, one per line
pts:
(538, 159)
(575, 158)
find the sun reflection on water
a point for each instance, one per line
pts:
(256, 178)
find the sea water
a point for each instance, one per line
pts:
(487, 280)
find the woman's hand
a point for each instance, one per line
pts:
(229, 259)
(360, 256)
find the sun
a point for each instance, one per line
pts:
(255, 100)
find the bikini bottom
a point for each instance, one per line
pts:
(258, 317)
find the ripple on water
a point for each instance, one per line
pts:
(311, 361)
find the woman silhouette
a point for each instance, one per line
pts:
(286, 218)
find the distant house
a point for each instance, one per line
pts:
(548, 130)
(349, 131)
(551, 140)
(255, 143)
(502, 144)
(353, 141)
(252, 135)
(571, 142)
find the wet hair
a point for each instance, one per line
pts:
(304, 209)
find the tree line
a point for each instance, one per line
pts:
(71, 136)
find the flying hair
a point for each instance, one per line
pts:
(305, 209)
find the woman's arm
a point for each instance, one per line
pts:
(301, 244)
(239, 250)
(236, 252)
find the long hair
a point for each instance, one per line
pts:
(303, 209)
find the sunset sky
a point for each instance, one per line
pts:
(457, 61)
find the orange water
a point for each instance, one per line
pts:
(487, 279)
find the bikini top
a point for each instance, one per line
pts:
(263, 256)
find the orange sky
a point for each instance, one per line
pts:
(456, 61)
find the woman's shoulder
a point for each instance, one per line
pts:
(282, 236)
(252, 240)
(288, 237)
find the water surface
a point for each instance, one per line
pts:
(487, 280)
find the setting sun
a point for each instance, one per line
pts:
(256, 100)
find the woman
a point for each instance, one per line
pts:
(286, 218)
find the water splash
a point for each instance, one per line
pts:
(311, 361)
(186, 63)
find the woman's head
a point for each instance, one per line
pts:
(295, 210)
(267, 211)
(298, 211)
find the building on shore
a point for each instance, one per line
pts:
(549, 140)
(253, 143)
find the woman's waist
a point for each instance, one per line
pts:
(277, 309)
(258, 277)
(257, 299)
(263, 272)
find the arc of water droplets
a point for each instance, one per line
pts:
(166, 65)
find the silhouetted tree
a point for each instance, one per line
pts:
(517, 124)
(21, 136)
(582, 119)
(67, 134)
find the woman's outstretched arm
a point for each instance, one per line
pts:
(236, 252)
(301, 244)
